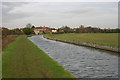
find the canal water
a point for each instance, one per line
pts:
(82, 62)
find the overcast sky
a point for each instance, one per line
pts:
(58, 14)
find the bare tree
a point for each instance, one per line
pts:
(28, 25)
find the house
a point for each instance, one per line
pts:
(46, 29)
(41, 30)
(38, 30)
(21, 29)
(53, 30)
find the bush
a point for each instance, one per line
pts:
(44, 32)
(27, 31)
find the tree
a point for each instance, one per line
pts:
(28, 25)
(44, 32)
(27, 31)
(82, 26)
(33, 26)
(66, 29)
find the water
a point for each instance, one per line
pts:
(82, 62)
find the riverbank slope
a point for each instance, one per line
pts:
(106, 41)
(23, 59)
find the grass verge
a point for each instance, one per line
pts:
(23, 59)
(109, 39)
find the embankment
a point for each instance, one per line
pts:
(98, 46)
(7, 40)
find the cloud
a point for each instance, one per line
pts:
(7, 7)
(61, 0)
(103, 15)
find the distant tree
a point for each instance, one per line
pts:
(5, 31)
(58, 30)
(28, 25)
(33, 26)
(27, 31)
(66, 29)
(89, 29)
(17, 30)
(82, 26)
(77, 30)
(44, 32)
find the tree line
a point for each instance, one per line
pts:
(17, 31)
(64, 29)
(82, 29)
(6, 31)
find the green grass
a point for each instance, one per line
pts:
(110, 39)
(23, 59)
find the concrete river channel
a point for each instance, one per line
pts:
(82, 62)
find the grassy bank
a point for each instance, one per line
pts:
(7, 40)
(23, 59)
(109, 39)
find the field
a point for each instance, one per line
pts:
(110, 39)
(23, 59)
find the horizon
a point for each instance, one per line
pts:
(59, 27)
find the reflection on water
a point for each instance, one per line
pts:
(80, 61)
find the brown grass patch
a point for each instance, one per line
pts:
(7, 40)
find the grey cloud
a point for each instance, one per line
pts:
(57, 14)
(7, 7)
(13, 4)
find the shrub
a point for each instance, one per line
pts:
(27, 31)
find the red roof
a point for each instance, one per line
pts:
(44, 27)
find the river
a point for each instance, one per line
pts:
(82, 62)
